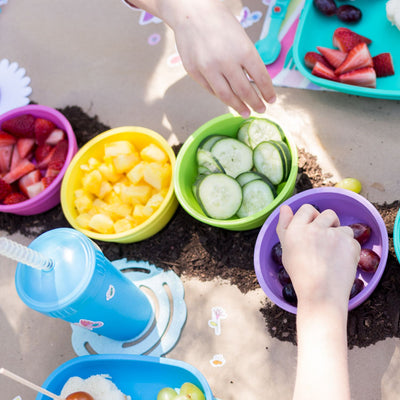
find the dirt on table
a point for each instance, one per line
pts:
(194, 249)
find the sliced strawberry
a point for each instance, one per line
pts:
(56, 136)
(7, 139)
(54, 168)
(21, 126)
(312, 57)
(323, 71)
(61, 150)
(29, 179)
(5, 157)
(34, 189)
(42, 152)
(365, 77)
(345, 39)
(43, 128)
(23, 168)
(15, 158)
(358, 57)
(383, 65)
(25, 146)
(5, 189)
(13, 198)
(43, 164)
(47, 180)
(334, 57)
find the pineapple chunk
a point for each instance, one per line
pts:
(118, 147)
(155, 201)
(153, 153)
(84, 203)
(135, 175)
(138, 194)
(117, 211)
(123, 225)
(105, 189)
(158, 176)
(102, 223)
(83, 220)
(112, 198)
(141, 212)
(125, 162)
(92, 181)
(108, 171)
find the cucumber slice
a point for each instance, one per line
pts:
(220, 196)
(209, 141)
(269, 161)
(234, 156)
(263, 130)
(288, 157)
(207, 163)
(249, 176)
(243, 132)
(257, 195)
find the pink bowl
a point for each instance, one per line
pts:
(50, 197)
(350, 208)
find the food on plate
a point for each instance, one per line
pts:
(327, 7)
(122, 188)
(369, 260)
(346, 13)
(352, 184)
(393, 12)
(188, 391)
(99, 387)
(350, 62)
(361, 232)
(239, 176)
(357, 287)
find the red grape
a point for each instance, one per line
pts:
(348, 13)
(358, 285)
(276, 253)
(369, 260)
(283, 277)
(327, 7)
(289, 294)
(362, 232)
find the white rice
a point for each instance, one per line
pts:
(100, 387)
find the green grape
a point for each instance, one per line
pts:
(167, 393)
(190, 391)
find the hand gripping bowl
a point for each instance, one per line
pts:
(186, 172)
(350, 208)
(50, 197)
(140, 137)
(141, 377)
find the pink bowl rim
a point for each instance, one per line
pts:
(72, 148)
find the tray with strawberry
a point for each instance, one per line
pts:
(361, 57)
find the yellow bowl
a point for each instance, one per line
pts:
(140, 137)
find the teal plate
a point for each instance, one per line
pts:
(316, 29)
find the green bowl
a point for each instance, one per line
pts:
(185, 173)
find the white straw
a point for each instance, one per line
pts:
(31, 385)
(24, 254)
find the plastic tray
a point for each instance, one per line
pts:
(316, 29)
(141, 377)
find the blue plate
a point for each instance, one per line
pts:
(141, 377)
(316, 29)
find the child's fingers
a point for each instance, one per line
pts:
(285, 217)
(327, 219)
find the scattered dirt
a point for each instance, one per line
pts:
(193, 249)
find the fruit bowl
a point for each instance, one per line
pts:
(140, 377)
(396, 235)
(350, 208)
(186, 171)
(49, 196)
(140, 138)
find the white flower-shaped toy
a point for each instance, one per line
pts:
(14, 86)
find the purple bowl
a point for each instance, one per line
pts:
(50, 197)
(350, 208)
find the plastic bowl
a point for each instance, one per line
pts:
(140, 137)
(396, 235)
(50, 197)
(186, 171)
(141, 377)
(350, 208)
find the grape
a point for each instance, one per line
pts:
(362, 232)
(316, 207)
(369, 260)
(348, 13)
(276, 253)
(283, 277)
(327, 7)
(167, 393)
(289, 294)
(189, 391)
(358, 285)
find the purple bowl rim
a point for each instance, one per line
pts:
(71, 151)
(355, 301)
(396, 235)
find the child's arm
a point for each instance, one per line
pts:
(321, 258)
(216, 51)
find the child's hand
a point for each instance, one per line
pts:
(320, 255)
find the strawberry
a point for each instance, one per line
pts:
(14, 198)
(44, 162)
(55, 136)
(42, 151)
(6, 139)
(358, 57)
(345, 39)
(5, 189)
(312, 57)
(15, 158)
(25, 146)
(365, 77)
(5, 157)
(54, 168)
(323, 71)
(29, 179)
(334, 57)
(383, 65)
(34, 189)
(61, 150)
(21, 169)
(47, 180)
(43, 128)
(21, 126)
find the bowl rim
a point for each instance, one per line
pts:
(396, 235)
(367, 291)
(72, 147)
(80, 153)
(232, 223)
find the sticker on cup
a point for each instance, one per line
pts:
(87, 324)
(110, 292)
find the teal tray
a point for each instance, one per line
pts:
(316, 29)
